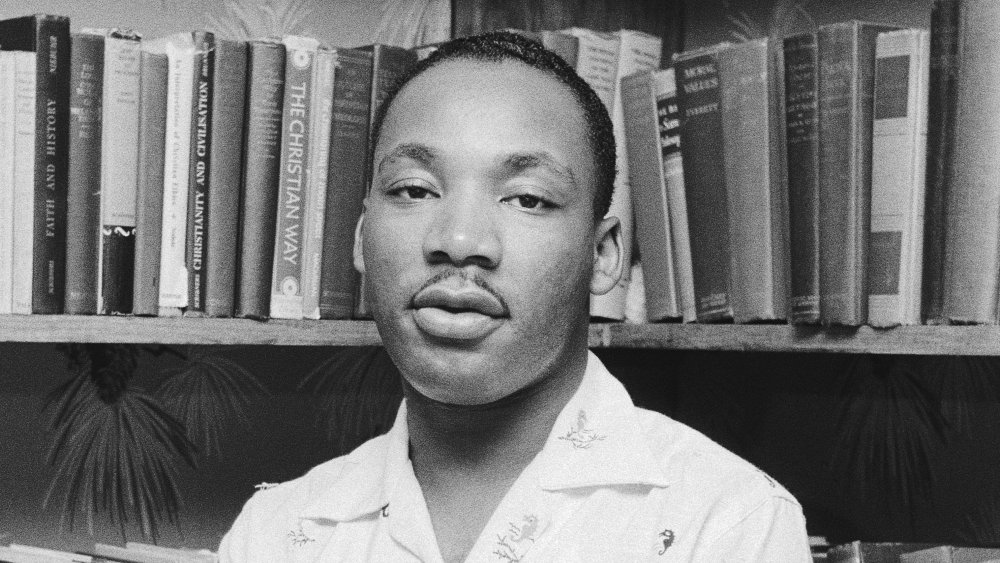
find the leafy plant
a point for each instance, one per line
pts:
(408, 23)
(785, 16)
(251, 19)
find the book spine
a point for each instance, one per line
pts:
(24, 181)
(8, 94)
(83, 192)
(51, 164)
(227, 122)
(752, 182)
(665, 88)
(345, 182)
(286, 283)
(972, 231)
(941, 114)
(119, 174)
(312, 241)
(562, 44)
(699, 100)
(261, 164)
(196, 252)
(802, 142)
(898, 165)
(149, 185)
(637, 52)
(597, 62)
(652, 217)
(846, 54)
(177, 159)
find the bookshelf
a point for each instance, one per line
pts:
(907, 340)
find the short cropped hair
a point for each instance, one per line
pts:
(500, 46)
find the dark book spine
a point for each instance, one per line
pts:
(699, 99)
(346, 181)
(228, 107)
(942, 105)
(802, 144)
(389, 64)
(84, 189)
(149, 189)
(48, 37)
(198, 183)
(261, 161)
(846, 55)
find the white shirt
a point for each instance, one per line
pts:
(613, 482)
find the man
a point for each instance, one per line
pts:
(482, 237)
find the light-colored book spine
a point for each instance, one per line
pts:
(312, 243)
(24, 181)
(899, 149)
(8, 93)
(665, 90)
(180, 52)
(597, 61)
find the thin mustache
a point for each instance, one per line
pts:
(476, 279)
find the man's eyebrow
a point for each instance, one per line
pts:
(413, 151)
(521, 161)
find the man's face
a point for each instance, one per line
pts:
(478, 238)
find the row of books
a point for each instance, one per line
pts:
(905, 552)
(847, 176)
(132, 552)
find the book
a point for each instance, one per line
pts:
(23, 240)
(149, 185)
(941, 113)
(597, 61)
(952, 554)
(802, 146)
(345, 181)
(871, 552)
(699, 100)
(315, 200)
(846, 59)
(199, 172)
(261, 161)
(563, 44)
(389, 65)
(753, 138)
(48, 37)
(83, 194)
(8, 94)
(972, 227)
(899, 151)
(286, 277)
(179, 50)
(652, 214)
(119, 170)
(224, 175)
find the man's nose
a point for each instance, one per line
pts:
(463, 233)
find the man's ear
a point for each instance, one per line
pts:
(359, 255)
(607, 256)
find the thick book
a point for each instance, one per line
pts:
(802, 148)
(179, 50)
(345, 182)
(84, 190)
(941, 113)
(972, 229)
(24, 181)
(846, 58)
(226, 153)
(315, 200)
(261, 162)
(119, 171)
(597, 61)
(389, 65)
(8, 94)
(48, 37)
(149, 185)
(699, 99)
(286, 276)
(899, 151)
(652, 214)
(199, 172)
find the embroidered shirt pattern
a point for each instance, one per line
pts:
(667, 539)
(514, 544)
(581, 435)
(299, 538)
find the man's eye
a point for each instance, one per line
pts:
(412, 192)
(528, 202)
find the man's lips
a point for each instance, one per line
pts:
(454, 309)
(469, 298)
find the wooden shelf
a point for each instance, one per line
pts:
(919, 340)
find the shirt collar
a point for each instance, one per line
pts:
(597, 440)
